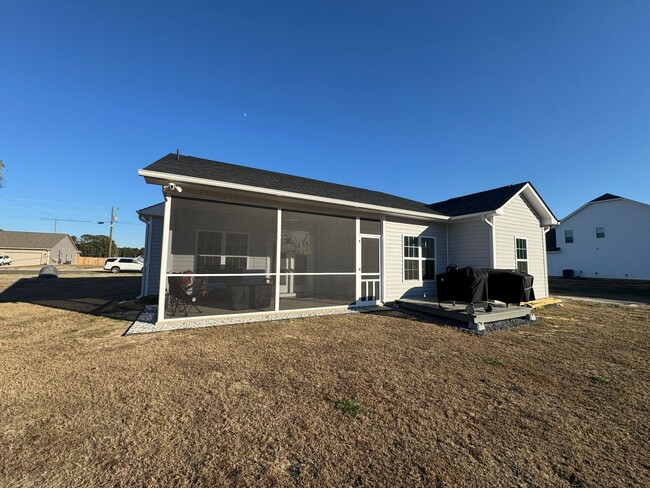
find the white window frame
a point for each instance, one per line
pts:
(566, 235)
(223, 256)
(420, 258)
(598, 234)
(517, 258)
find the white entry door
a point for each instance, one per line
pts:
(370, 270)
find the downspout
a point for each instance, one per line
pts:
(489, 222)
(545, 230)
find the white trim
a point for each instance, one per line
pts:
(278, 258)
(382, 268)
(491, 221)
(270, 273)
(162, 286)
(420, 259)
(286, 194)
(517, 260)
(529, 188)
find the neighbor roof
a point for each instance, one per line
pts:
(606, 196)
(485, 201)
(231, 173)
(30, 240)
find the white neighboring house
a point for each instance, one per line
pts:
(609, 237)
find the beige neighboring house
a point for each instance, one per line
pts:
(38, 248)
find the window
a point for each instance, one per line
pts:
(411, 258)
(218, 249)
(419, 258)
(568, 236)
(600, 232)
(521, 254)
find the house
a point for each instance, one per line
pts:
(37, 248)
(153, 218)
(608, 237)
(248, 240)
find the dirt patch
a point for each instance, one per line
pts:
(623, 290)
(361, 399)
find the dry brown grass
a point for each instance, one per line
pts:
(256, 404)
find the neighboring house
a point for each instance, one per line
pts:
(153, 218)
(609, 237)
(259, 241)
(37, 248)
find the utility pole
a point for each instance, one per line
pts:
(110, 235)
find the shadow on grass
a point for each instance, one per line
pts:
(94, 296)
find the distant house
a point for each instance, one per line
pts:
(608, 237)
(37, 248)
(153, 217)
(256, 241)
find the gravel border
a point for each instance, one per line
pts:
(146, 321)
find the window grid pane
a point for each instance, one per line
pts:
(411, 269)
(568, 236)
(428, 247)
(600, 232)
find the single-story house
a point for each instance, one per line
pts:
(608, 237)
(248, 240)
(37, 248)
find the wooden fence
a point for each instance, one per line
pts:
(87, 261)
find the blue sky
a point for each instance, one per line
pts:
(426, 100)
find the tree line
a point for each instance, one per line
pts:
(97, 246)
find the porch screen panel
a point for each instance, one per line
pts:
(318, 260)
(223, 255)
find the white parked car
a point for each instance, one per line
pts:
(5, 260)
(115, 265)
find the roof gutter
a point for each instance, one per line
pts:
(478, 215)
(168, 177)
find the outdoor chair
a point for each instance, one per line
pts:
(180, 300)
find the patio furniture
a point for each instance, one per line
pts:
(180, 300)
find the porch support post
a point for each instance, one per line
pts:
(278, 253)
(358, 259)
(163, 259)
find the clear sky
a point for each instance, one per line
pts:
(427, 100)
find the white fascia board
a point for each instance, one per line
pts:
(547, 219)
(287, 194)
(477, 216)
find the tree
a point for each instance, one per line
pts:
(94, 245)
(131, 252)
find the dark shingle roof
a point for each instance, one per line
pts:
(29, 240)
(606, 196)
(243, 175)
(485, 201)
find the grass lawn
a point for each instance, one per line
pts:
(358, 399)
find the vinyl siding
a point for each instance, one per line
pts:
(63, 252)
(622, 253)
(470, 243)
(154, 255)
(519, 221)
(395, 285)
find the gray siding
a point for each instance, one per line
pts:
(63, 252)
(153, 262)
(395, 285)
(470, 243)
(519, 220)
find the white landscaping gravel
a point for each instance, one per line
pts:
(146, 321)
